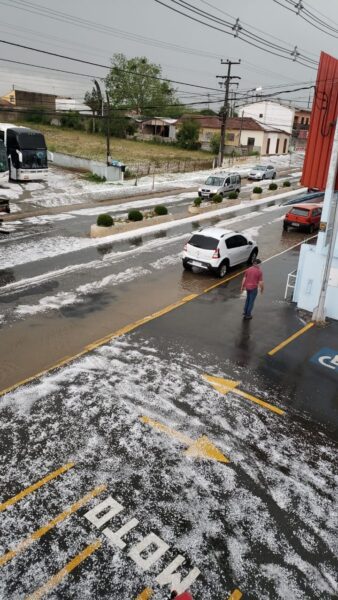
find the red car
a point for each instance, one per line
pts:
(303, 216)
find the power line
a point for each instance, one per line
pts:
(300, 10)
(237, 30)
(93, 64)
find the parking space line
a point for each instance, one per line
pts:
(145, 595)
(35, 486)
(43, 530)
(291, 338)
(68, 568)
(236, 595)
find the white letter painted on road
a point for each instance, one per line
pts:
(115, 509)
(115, 538)
(170, 577)
(149, 540)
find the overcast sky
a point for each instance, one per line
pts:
(146, 28)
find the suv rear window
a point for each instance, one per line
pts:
(301, 212)
(203, 241)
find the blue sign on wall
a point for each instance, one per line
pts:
(327, 358)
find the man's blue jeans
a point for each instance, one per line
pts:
(250, 301)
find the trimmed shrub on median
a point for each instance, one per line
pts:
(217, 198)
(233, 195)
(104, 220)
(135, 215)
(257, 190)
(160, 210)
(197, 201)
(273, 186)
(286, 184)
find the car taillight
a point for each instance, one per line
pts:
(216, 253)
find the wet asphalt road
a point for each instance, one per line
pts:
(126, 414)
(59, 301)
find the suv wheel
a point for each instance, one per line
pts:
(223, 269)
(252, 256)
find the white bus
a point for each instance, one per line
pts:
(3, 164)
(26, 152)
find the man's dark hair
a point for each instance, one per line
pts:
(173, 594)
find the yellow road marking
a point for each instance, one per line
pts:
(145, 595)
(35, 486)
(223, 386)
(236, 595)
(291, 338)
(43, 530)
(57, 578)
(202, 447)
(65, 360)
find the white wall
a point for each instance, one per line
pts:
(308, 283)
(310, 271)
(274, 114)
(76, 162)
(257, 135)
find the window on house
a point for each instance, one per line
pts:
(251, 141)
(285, 146)
(296, 120)
(302, 121)
(261, 115)
(277, 145)
(230, 137)
(307, 121)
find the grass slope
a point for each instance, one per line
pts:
(130, 152)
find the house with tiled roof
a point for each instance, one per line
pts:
(243, 135)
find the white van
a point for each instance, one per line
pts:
(221, 183)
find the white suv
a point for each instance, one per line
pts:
(216, 249)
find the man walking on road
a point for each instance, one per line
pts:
(252, 280)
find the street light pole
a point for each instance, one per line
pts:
(331, 196)
(99, 93)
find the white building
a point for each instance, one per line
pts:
(310, 270)
(271, 114)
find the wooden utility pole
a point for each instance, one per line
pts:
(227, 79)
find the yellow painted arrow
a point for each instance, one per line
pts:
(236, 595)
(223, 386)
(202, 447)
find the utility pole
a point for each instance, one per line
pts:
(331, 227)
(227, 79)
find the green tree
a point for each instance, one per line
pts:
(188, 134)
(93, 100)
(135, 84)
(215, 142)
